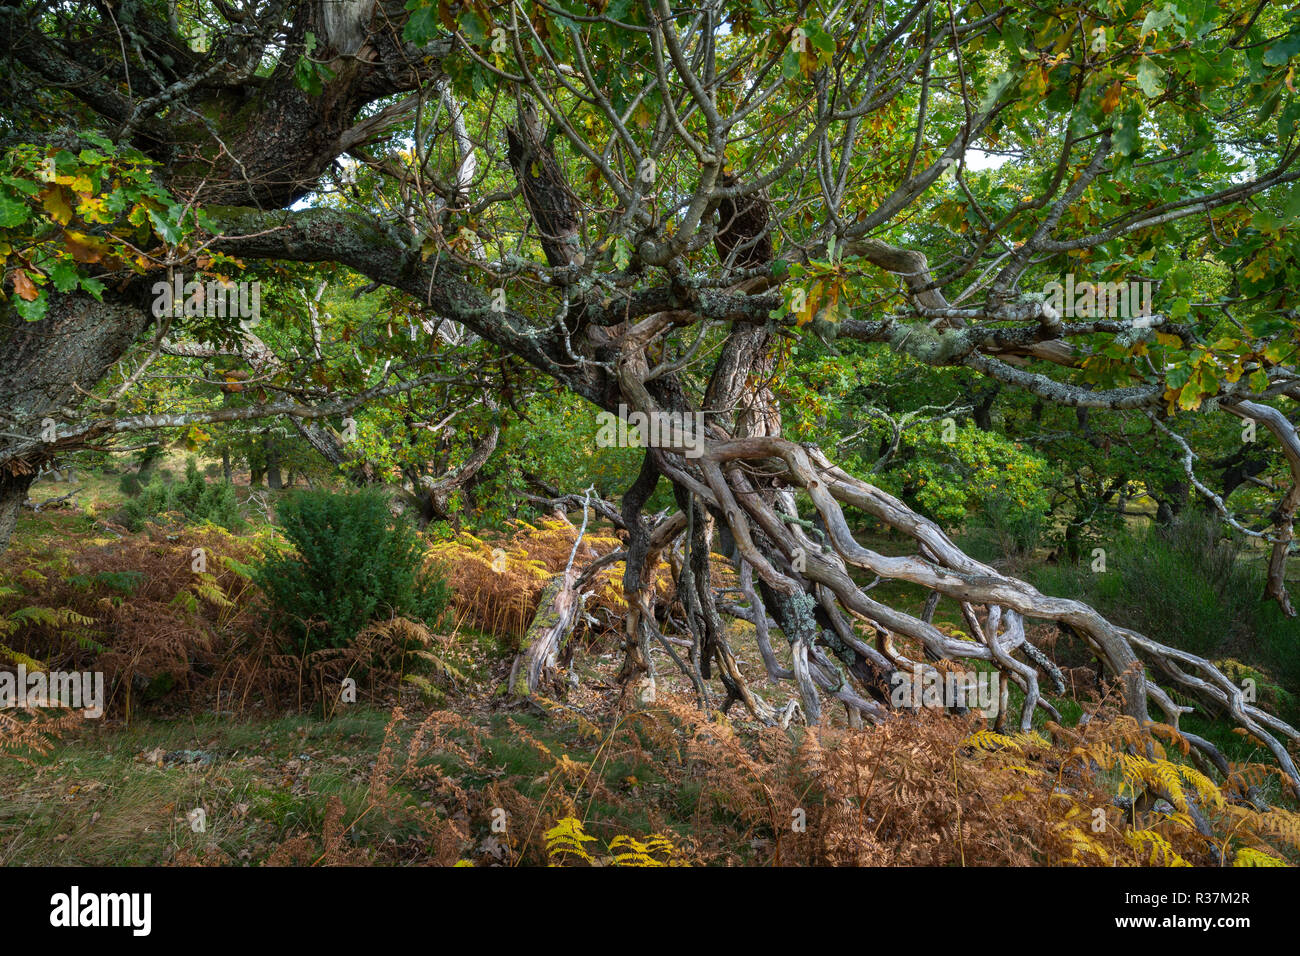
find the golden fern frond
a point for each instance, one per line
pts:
(1097, 751)
(1027, 771)
(1162, 851)
(1081, 843)
(1163, 774)
(613, 593)
(567, 837)
(1245, 856)
(656, 843)
(1134, 770)
(206, 588)
(1206, 789)
(989, 741)
(629, 851)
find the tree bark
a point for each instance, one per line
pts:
(557, 613)
(273, 477)
(13, 492)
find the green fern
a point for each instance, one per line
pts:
(51, 617)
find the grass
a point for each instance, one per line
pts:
(118, 795)
(102, 798)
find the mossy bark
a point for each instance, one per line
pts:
(557, 613)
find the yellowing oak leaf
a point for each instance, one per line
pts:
(55, 201)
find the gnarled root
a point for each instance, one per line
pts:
(806, 586)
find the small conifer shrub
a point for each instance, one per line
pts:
(351, 564)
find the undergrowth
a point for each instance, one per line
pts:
(193, 500)
(497, 584)
(154, 612)
(925, 790)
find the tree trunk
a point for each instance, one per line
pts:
(46, 367)
(273, 479)
(13, 492)
(557, 613)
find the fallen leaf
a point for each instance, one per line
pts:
(24, 286)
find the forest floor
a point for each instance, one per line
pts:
(201, 784)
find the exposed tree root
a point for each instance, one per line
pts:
(806, 587)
